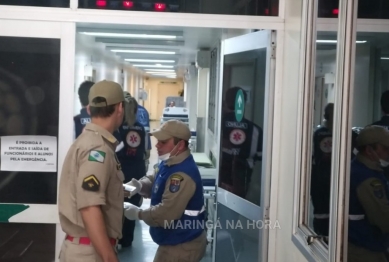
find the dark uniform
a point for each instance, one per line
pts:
(241, 146)
(131, 157)
(80, 121)
(384, 122)
(368, 203)
(321, 179)
(142, 116)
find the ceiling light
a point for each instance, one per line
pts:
(129, 35)
(156, 65)
(385, 58)
(143, 51)
(159, 70)
(148, 60)
(335, 41)
(161, 73)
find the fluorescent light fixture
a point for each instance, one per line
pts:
(156, 65)
(148, 60)
(129, 35)
(336, 41)
(143, 51)
(385, 58)
(160, 70)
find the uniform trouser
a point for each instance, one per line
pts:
(129, 225)
(192, 251)
(360, 254)
(73, 252)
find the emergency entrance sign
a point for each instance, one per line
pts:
(239, 106)
(29, 153)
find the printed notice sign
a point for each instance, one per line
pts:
(29, 153)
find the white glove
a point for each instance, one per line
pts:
(131, 211)
(138, 186)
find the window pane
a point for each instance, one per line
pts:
(29, 94)
(227, 7)
(47, 3)
(368, 200)
(372, 9)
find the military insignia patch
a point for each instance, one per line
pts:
(175, 182)
(96, 156)
(91, 183)
(378, 189)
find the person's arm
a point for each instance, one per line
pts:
(95, 170)
(179, 189)
(373, 198)
(95, 227)
(147, 184)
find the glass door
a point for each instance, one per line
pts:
(245, 147)
(35, 133)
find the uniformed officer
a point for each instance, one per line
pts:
(177, 215)
(83, 118)
(142, 116)
(321, 172)
(369, 203)
(131, 157)
(241, 147)
(91, 187)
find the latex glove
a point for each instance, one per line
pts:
(138, 186)
(131, 211)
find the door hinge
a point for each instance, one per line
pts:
(266, 213)
(273, 51)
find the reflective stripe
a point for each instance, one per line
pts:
(356, 217)
(321, 216)
(194, 213)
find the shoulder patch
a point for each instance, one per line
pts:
(96, 156)
(175, 181)
(378, 189)
(91, 183)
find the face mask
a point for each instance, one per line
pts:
(384, 163)
(167, 155)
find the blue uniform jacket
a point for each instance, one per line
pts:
(131, 156)
(361, 232)
(142, 116)
(188, 227)
(80, 121)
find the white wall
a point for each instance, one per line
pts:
(107, 66)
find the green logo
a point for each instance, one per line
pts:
(97, 156)
(239, 106)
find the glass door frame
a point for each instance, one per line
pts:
(65, 31)
(252, 41)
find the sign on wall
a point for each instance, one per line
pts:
(29, 153)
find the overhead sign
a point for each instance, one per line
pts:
(29, 153)
(239, 106)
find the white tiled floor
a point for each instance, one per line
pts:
(143, 248)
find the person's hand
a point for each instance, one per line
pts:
(138, 186)
(131, 211)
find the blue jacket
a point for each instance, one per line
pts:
(131, 156)
(142, 116)
(361, 232)
(178, 232)
(80, 121)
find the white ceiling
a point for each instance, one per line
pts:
(193, 40)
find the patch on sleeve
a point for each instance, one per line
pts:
(378, 189)
(96, 156)
(91, 183)
(175, 182)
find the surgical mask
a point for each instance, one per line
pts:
(166, 156)
(384, 163)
